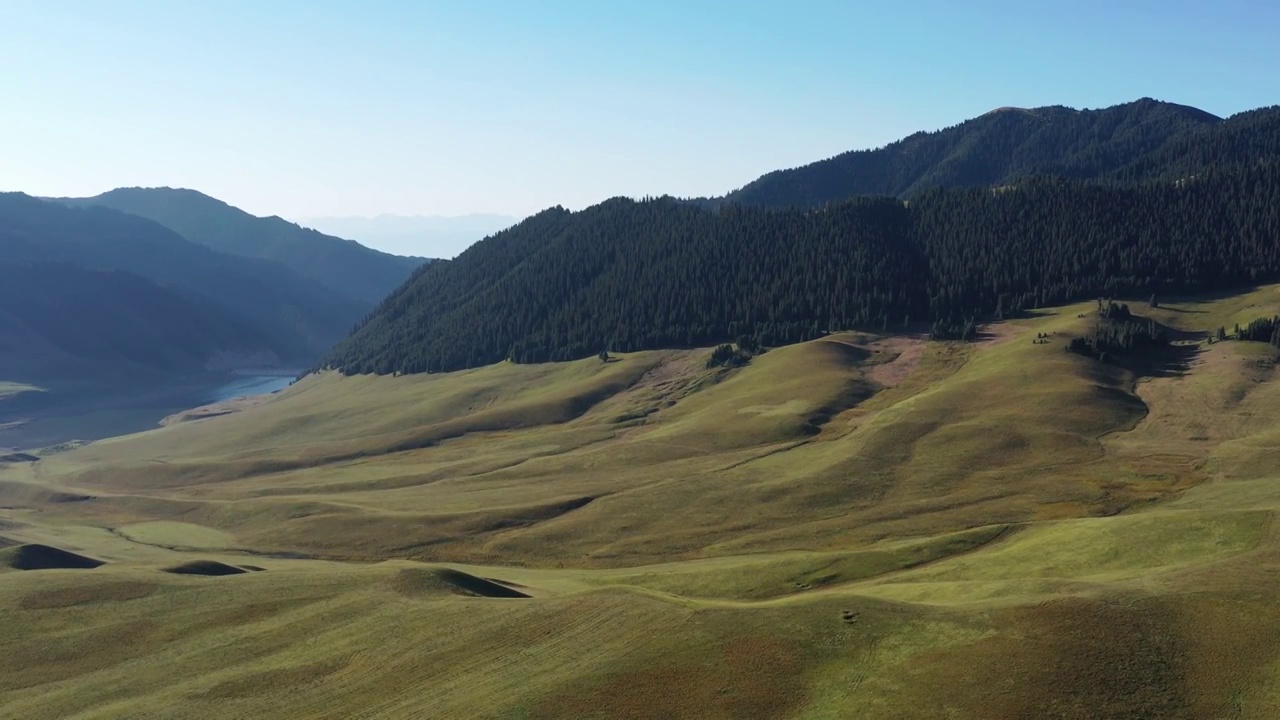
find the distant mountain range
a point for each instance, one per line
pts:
(345, 266)
(137, 282)
(437, 235)
(61, 321)
(1012, 210)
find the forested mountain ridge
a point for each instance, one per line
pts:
(632, 274)
(59, 320)
(345, 266)
(299, 317)
(627, 275)
(1131, 143)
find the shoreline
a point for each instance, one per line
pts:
(70, 413)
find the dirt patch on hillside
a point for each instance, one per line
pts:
(226, 407)
(676, 375)
(908, 351)
(997, 333)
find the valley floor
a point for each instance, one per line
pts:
(860, 526)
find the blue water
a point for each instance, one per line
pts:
(250, 385)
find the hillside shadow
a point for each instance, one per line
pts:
(983, 336)
(1175, 361)
(1172, 360)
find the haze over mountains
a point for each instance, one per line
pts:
(140, 301)
(60, 320)
(439, 236)
(289, 292)
(349, 268)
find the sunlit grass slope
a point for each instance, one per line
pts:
(859, 526)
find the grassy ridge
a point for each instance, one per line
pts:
(859, 525)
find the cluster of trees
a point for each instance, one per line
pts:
(1111, 338)
(726, 355)
(1111, 310)
(1263, 329)
(1118, 332)
(630, 275)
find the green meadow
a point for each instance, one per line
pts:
(865, 525)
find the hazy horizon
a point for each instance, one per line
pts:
(435, 236)
(306, 111)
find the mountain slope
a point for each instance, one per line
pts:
(628, 275)
(347, 267)
(1241, 139)
(299, 317)
(57, 320)
(993, 149)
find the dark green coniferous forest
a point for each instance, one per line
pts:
(629, 275)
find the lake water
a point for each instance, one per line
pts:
(56, 417)
(250, 385)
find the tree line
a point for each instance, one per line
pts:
(630, 275)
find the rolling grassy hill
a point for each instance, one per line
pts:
(862, 525)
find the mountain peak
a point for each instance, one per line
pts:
(993, 149)
(1008, 109)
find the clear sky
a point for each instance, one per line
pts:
(306, 108)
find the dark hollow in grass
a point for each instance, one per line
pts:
(427, 581)
(210, 568)
(478, 585)
(43, 557)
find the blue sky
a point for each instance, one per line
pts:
(326, 108)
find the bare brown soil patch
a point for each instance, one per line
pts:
(908, 351)
(226, 407)
(997, 333)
